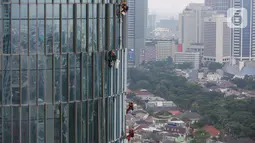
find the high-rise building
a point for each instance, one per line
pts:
(187, 57)
(165, 48)
(162, 33)
(217, 39)
(243, 39)
(148, 53)
(196, 47)
(137, 26)
(221, 6)
(56, 85)
(191, 24)
(151, 23)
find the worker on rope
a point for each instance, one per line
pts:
(131, 134)
(124, 8)
(112, 57)
(130, 107)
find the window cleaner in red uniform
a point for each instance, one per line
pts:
(131, 134)
(130, 107)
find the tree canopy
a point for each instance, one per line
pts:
(184, 66)
(200, 136)
(248, 82)
(235, 117)
(213, 66)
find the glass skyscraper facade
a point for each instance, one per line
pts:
(243, 39)
(221, 6)
(56, 86)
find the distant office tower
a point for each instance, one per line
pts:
(188, 57)
(151, 25)
(148, 53)
(217, 43)
(191, 24)
(196, 47)
(162, 33)
(221, 6)
(210, 3)
(137, 26)
(165, 49)
(243, 40)
(56, 86)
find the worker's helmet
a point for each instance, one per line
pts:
(124, 2)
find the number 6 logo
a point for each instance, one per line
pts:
(237, 17)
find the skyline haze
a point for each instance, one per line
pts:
(162, 8)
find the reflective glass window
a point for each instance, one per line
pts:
(7, 124)
(15, 74)
(58, 78)
(24, 124)
(57, 124)
(24, 79)
(77, 78)
(45, 69)
(90, 82)
(84, 76)
(32, 80)
(70, 25)
(65, 83)
(33, 123)
(16, 123)
(84, 122)
(90, 43)
(83, 28)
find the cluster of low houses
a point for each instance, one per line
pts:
(221, 85)
(167, 124)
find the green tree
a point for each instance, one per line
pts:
(213, 66)
(184, 66)
(200, 136)
(247, 83)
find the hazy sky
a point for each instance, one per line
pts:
(169, 7)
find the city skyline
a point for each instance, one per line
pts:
(162, 9)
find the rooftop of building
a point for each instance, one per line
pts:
(171, 129)
(142, 92)
(162, 115)
(161, 39)
(211, 130)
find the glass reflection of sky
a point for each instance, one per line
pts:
(131, 54)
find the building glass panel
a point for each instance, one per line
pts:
(56, 86)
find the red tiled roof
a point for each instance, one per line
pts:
(234, 92)
(212, 130)
(129, 91)
(175, 112)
